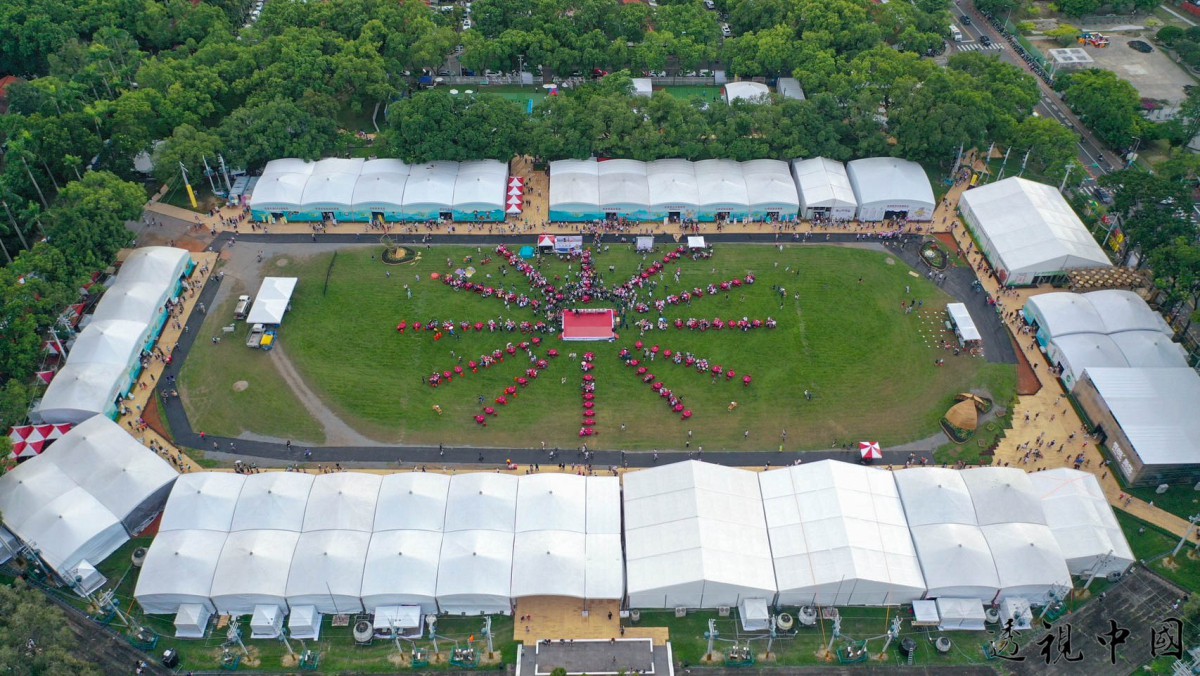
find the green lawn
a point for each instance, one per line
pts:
(1179, 499)
(848, 342)
(1152, 545)
(266, 406)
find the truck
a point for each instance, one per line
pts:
(256, 336)
(956, 33)
(243, 307)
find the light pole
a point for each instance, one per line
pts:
(1133, 153)
(1191, 524)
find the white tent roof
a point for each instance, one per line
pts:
(1156, 409)
(962, 319)
(549, 563)
(769, 185)
(272, 301)
(574, 185)
(695, 536)
(1123, 310)
(410, 556)
(823, 183)
(431, 186)
(80, 391)
(475, 570)
(889, 179)
(839, 536)
(1030, 227)
(481, 185)
(603, 505)
(330, 186)
(327, 570)
(552, 502)
(933, 495)
(179, 570)
(28, 487)
(747, 91)
(71, 528)
(342, 501)
(281, 186)
(1028, 560)
(1082, 522)
(130, 480)
(672, 184)
(202, 501)
(273, 501)
(604, 577)
(789, 88)
(1062, 313)
(112, 342)
(720, 185)
(253, 568)
(412, 501)
(380, 185)
(1003, 495)
(481, 501)
(133, 302)
(158, 265)
(1149, 349)
(622, 185)
(1079, 351)
(956, 560)
(643, 86)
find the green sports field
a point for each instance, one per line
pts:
(841, 335)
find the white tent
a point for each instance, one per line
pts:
(887, 187)
(253, 570)
(574, 190)
(380, 186)
(622, 187)
(402, 618)
(202, 501)
(131, 481)
(934, 495)
(824, 189)
(1003, 495)
(281, 186)
(603, 506)
(475, 571)
(696, 242)
(1082, 522)
(770, 189)
(266, 622)
(87, 579)
(429, 191)
(604, 576)
(80, 391)
(964, 325)
(327, 571)
(1063, 313)
(178, 571)
(111, 342)
(481, 501)
(960, 614)
(330, 186)
(304, 623)
(1028, 231)
(273, 300)
(956, 561)
(480, 186)
(273, 501)
(751, 92)
(133, 302)
(643, 86)
(72, 528)
(408, 556)
(672, 188)
(549, 563)
(161, 266)
(191, 621)
(412, 501)
(721, 187)
(695, 536)
(552, 502)
(839, 536)
(1028, 561)
(342, 501)
(754, 615)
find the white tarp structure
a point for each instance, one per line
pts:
(475, 568)
(673, 188)
(824, 189)
(964, 325)
(1101, 329)
(789, 88)
(839, 536)
(575, 190)
(643, 86)
(330, 185)
(281, 186)
(106, 354)
(480, 187)
(178, 571)
(266, 621)
(191, 621)
(273, 300)
(253, 570)
(304, 623)
(754, 614)
(202, 501)
(1028, 231)
(695, 537)
(380, 186)
(81, 499)
(343, 501)
(273, 501)
(770, 189)
(329, 570)
(891, 188)
(750, 92)
(1082, 521)
(401, 568)
(960, 614)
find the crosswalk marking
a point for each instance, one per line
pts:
(976, 47)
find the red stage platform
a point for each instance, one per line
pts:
(588, 325)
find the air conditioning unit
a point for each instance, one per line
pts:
(680, 611)
(723, 611)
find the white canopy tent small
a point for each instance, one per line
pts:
(964, 325)
(266, 622)
(957, 614)
(304, 623)
(754, 614)
(696, 242)
(273, 300)
(645, 243)
(398, 618)
(643, 86)
(192, 620)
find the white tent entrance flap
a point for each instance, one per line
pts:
(960, 614)
(754, 615)
(304, 623)
(266, 622)
(964, 326)
(191, 620)
(403, 620)
(695, 242)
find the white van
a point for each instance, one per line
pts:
(956, 33)
(243, 307)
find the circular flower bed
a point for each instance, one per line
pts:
(934, 256)
(397, 255)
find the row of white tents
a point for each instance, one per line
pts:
(82, 498)
(380, 189)
(345, 542)
(710, 190)
(830, 533)
(105, 359)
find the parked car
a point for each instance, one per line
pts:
(466, 24)
(726, 31)
(243, 307)
(966, 20)
(710, 5)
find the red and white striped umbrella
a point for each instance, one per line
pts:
(869, 450)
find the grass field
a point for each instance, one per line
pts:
(847, 341)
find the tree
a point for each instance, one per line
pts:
(1107, 104)
(931, 122)
(188, 146)
(256, 134)
(35, 637)
(1176, 268)
(1051, 146)
(1065, 35)
(1079, 7)
(87, 223)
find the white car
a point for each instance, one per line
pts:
(726, 30)
(466, 24)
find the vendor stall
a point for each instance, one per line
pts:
(964, 326)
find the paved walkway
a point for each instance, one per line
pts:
(1050, 418)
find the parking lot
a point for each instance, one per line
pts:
(1155, 75)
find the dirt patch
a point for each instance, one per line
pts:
(153, 417)
(282, 263)
(240, 386)
(889, 260)
(1027, 380)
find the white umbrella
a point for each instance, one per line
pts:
(549, 85)
(454, 91)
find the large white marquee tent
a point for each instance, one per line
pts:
(824, 189)
(889, 188)
(695, 537)
(1083, 522)
(85, 495)
(104, 361)
(1028, 231)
